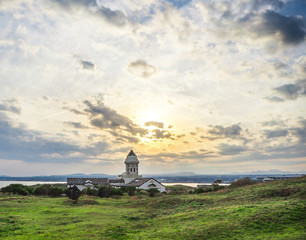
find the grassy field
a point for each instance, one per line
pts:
(274, 210)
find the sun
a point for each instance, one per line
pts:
(148, 116)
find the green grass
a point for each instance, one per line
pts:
(274, 210)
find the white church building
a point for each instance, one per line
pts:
(129, 178)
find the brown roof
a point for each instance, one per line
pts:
(82, 181)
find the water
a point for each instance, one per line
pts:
(186, 184)
(28, 183)
(192, 184)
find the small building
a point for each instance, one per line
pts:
(129, 178)
(146, 184)
(82, 183)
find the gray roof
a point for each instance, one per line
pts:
(139, 181)
(120, 180)
(82, 181)
(131, 158)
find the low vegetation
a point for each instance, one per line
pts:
(273, 210)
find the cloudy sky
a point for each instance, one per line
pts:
(204, 86)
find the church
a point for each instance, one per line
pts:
(129, 178)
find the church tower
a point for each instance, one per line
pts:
(131, 168)
(131, 164)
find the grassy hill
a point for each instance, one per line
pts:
(274, 210)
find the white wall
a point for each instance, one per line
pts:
(159, 187)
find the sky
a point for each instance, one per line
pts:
(211, 87)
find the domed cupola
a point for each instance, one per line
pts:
(131, 158)
(131, 164)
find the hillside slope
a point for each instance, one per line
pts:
(274, 210)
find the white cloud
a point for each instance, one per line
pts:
(217, 62)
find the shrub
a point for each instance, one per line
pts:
(217, 187)
(129, 189)
(152, 192)
(17, 189)
(91, 191)
(242, 182)
(201, 190)
(107, 191)
(42, 189)
(55, 192)
(73, 193)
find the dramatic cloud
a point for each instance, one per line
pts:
(141, 68)
(274, 99)
(272, 123)
(276, 133)
(300, 131)
(103, 117)
(75, 124)
(214, 70)
(159, 134)
(155, 124)
(115, 17)
(123, 138)
(292, 91)
(232, 131)
(10, 105)
(291, 29)
(227, 149)
(34, 147)
(87, 65)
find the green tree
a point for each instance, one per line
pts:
(17, 189)
(73, 193)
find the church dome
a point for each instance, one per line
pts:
(131, 158)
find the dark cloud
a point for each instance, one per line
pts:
(276, 133)
(155, 124)
(123, 138)
(10, 105)
(87, 65)
(179, 157)
(300, 132)
(291, 29)
(292, 91)
(161, 134)
(256, 5)
(75, 124)
(141, 68)
(226, 149)
(272, 123)
(114, 17)
(232, 131)
(274, 99)
(280, 65)
(104, 117)
(18, 142)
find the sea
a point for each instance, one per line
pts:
(30, 183)
(27, 183)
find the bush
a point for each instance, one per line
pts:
(152, 192)
(55, 192)
(73, 193)
(217, 187)
(17, 189)
(129, 189)
(91, 191)
(107, 191)
(242, 182)
(42, 190)
(201, 190)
